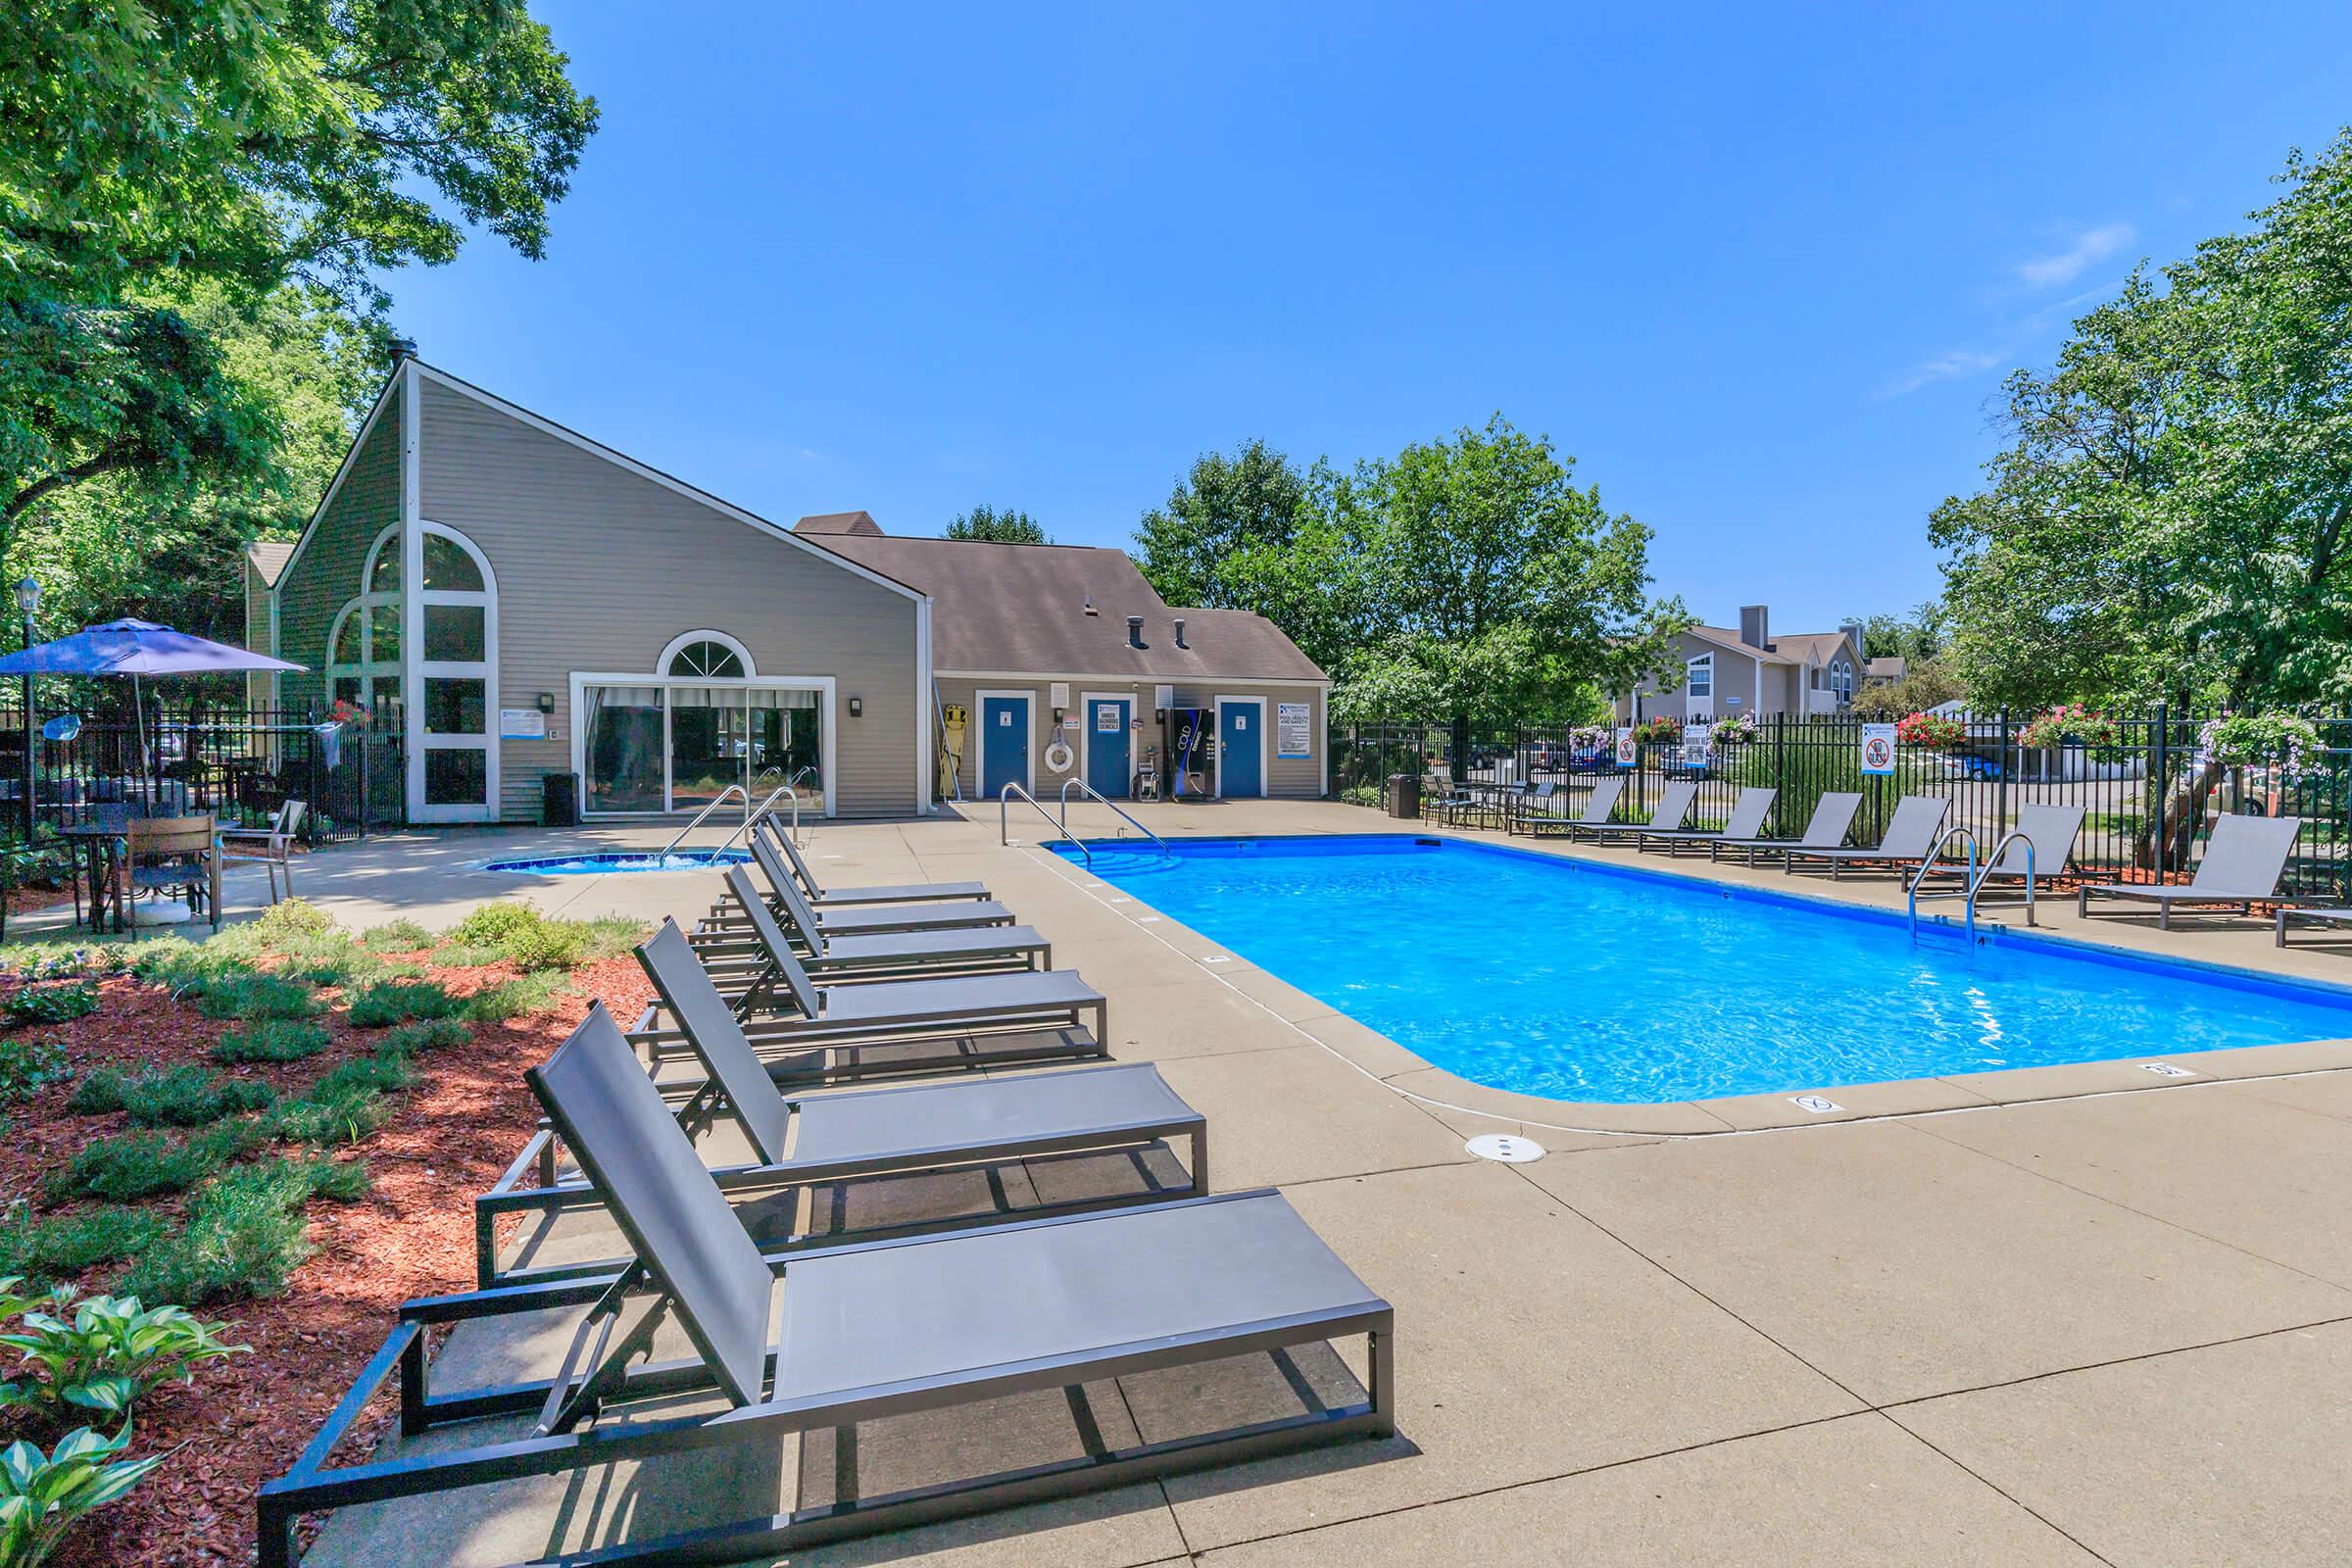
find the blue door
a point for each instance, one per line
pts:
(1003, 743)
(1240, 764)
(1108, 753)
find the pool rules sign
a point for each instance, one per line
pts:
(1878, 748)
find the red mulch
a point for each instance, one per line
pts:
(244, 1420)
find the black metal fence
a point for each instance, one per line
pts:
(2148, 797)
(239, 763)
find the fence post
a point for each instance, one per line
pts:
(2159, 789)
(2000, 773)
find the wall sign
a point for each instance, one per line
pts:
(1106, 718)
(1294, 730)
(1003, 718)
(522, 724)
(1627, 753)
(1878, 748)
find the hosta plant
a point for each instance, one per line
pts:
(103, 1352)
(43, 1495)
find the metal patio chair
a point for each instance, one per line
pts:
(2244, 858)
(863, 1331)
(1746, 820)
(177, 856)
(1826, 829)
(1910, 838)
(813, 1140)
(270, 844)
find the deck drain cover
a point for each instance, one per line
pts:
(1506, 1147)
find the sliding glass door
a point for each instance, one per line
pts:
(676, 746)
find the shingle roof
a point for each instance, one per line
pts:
(838, 522)
(1022, 609)
(268, 557)
(1789, 648)
(1887, 666)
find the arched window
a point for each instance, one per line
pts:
(706, 655)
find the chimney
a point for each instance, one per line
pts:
(403, 348)
(1134, 631)
(1853, 629)
(1180, 642)
(1756, 627)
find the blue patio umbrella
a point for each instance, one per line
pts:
(135, 648)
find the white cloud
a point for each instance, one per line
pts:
(1956, 365)
(2002, 349)
(2090, 247)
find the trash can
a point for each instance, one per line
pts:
(560, 800)
(1405, 796)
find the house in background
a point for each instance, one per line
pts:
(1062, 661)
(1727, 673)
(1885, 670)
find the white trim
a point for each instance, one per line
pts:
(926, 716)
(687, 639)
(1132, 678)
(1027, 698)
(414, 594)
(547, 426)
(1086, 734)
(335, 484)
(1265, 785)
(827, 738)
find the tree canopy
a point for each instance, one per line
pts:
(1463, 579)
(2169, 518)
(170, 169)
(1006, 526)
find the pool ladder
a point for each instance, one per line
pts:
(1004, 819)
(751, 816)
(1091, 792)
(1972, 884)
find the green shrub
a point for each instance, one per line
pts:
(109, 1352)
(427, 1034)
(396, 1002)
(609, 936)
(329, 960)
(59, 1002)
(468, 956)
(28, 1066)
(60, 960)
(291, 919)
(396, 936)
(512, 998)
(272, 1040)
(183, 1096)
(548, 944)
(42, 1495)
(248, 997)
(244, 1232)
(47, 1249)
(346, 1104)
(494, 925)
(137, 1164)
(178, 964)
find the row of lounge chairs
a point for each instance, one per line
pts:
(766, 1017)
(2245, 856)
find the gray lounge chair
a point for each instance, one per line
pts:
(864, 1331)
(1745, 822)
(2244, 858)
(866, 920)
(1597, 807)
(899, 893)
(837, 1033)
(1826, 829)
(1909, 840)
(2316, 914)
(1674, 809)
(2052, 830)
(742, 954)
(865, 1133)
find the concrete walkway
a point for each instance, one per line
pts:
(2066, 1324)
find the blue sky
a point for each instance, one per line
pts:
(1759, 274)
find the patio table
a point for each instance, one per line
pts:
(101, 847)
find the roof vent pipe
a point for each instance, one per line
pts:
(1180, 642)
(403, 348)
(1090, 609)
(1134, 631)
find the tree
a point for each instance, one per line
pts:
(148, 152)
(1926, 684)
(1222, 508)
(2170, 518)
(1915, 639)
(1005, 528)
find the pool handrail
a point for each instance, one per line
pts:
(766, 808)
(1090, 791)
(717, 800)
(1968, 885)
(1004, 819)
(2015, 835)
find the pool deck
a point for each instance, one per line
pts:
(2075, 1314)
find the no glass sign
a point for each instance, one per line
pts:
(1878, 748)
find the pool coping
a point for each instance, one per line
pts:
(1407, 1074)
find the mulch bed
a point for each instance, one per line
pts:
(244, 1420)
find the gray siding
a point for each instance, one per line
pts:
(259, 683)
(326, 575)
(1292, 779)
(598, 568)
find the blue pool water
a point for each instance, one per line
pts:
(608, 863)
(1579, 981)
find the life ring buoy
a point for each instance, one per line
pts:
(1057, 757)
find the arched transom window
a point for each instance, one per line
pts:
(705, 659)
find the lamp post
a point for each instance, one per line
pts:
(29, 600)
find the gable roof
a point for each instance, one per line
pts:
(268, 558)
(838, 522)
(1789, 648)
(1003, 609)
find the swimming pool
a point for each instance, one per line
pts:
(607, 862)
(1579, 981)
